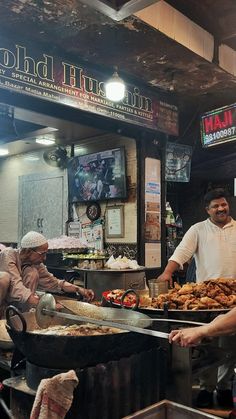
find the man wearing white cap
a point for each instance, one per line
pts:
(28, 273)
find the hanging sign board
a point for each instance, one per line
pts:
(178, 162)
(28, 70)
(218, 126)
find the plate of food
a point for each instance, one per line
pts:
(114, 298)
(212, 297)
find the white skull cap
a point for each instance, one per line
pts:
(33, 239)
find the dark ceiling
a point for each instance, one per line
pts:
(139, 51)
(215, 16)
(93, 31)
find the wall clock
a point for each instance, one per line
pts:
(93, 211)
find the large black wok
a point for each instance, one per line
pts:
(70, 351)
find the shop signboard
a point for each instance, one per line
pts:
(26, 69)
(218, 126)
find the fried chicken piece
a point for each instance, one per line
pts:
(210, 302)
(172, 291)
(188, 302)
(225, 281)
(231, 300)
(162, 298)
(180, 307)
(224, 300)
(172, 306)
(211, 294)
(186, 289)
(177, 287)
(229, 283)
(225, 289)
(200, 290)
(233, 286)
(158, 302)
(207, 300)
(181, 299)
(198, 306)
(154, 303)
(213, 290)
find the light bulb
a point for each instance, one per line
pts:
(115, 88)
(45, 141)
(4, 152)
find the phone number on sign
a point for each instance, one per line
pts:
(228, 132)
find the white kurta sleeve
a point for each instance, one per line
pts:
(187, 247)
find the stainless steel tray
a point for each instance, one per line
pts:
(204, 316)
(169, 410)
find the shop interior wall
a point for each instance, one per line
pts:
(11, 169)
(31, 163)
(130, 204)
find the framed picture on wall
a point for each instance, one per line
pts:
(115, 221)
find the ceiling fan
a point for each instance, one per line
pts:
(56, 157)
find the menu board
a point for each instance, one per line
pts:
(168, 118)
(218, 126)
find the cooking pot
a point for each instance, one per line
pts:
(70, 351)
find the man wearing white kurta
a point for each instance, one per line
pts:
(213, 247)
(212, 243)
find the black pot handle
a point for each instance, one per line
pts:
(12, 310)
(166, 310)
(104, 302)
(111, 302)
(130, 291)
